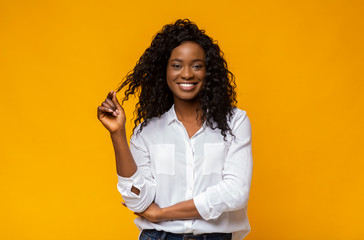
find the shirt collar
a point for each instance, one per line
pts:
(171, 115)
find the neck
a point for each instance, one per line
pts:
(187, 110)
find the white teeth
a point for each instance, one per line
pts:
(186, 84)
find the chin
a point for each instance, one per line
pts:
(187, 98)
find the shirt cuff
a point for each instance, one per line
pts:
(125, 184)
(202, 207)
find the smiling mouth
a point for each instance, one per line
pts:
(187, 84)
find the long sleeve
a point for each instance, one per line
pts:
(142, 178)
(232, 192)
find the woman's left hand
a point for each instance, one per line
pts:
(153, 213)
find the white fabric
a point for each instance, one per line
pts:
(172, 168)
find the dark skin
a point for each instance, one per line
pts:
(185, 77)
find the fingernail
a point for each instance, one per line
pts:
(117, 111)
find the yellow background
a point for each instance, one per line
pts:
(299, 69)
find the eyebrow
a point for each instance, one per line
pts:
(180, 60)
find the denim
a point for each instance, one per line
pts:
(161, 235)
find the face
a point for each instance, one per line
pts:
(186, 71)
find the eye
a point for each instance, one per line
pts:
(198, 66)
(176, 66)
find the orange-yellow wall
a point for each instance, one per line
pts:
(299, 70)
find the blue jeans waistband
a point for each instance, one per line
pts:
(162, 235)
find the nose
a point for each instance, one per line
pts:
(187, 73)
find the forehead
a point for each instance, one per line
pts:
(188, 50)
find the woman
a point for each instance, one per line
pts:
(188, 170)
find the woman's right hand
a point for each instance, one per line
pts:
(111, 114)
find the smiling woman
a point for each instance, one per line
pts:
(188, 170)
(186, 71)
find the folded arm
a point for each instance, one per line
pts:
(231, 193)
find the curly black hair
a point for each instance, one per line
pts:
(148, 78)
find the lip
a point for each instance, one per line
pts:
(192, 85)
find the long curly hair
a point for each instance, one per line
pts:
(148, 78)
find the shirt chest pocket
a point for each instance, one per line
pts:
(163, 158)
(214, 158)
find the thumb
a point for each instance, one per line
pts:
(115, 100)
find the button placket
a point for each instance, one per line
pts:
(189, 170)
(190, 158)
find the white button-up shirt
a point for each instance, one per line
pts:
(172, 168)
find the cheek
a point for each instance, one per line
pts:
(171, 76)
(202, 75)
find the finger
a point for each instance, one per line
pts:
(114, 109)
(105, 109)
(110, 94)
(110, 102)
(108, 110)
(105, 104)
(123, 204)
